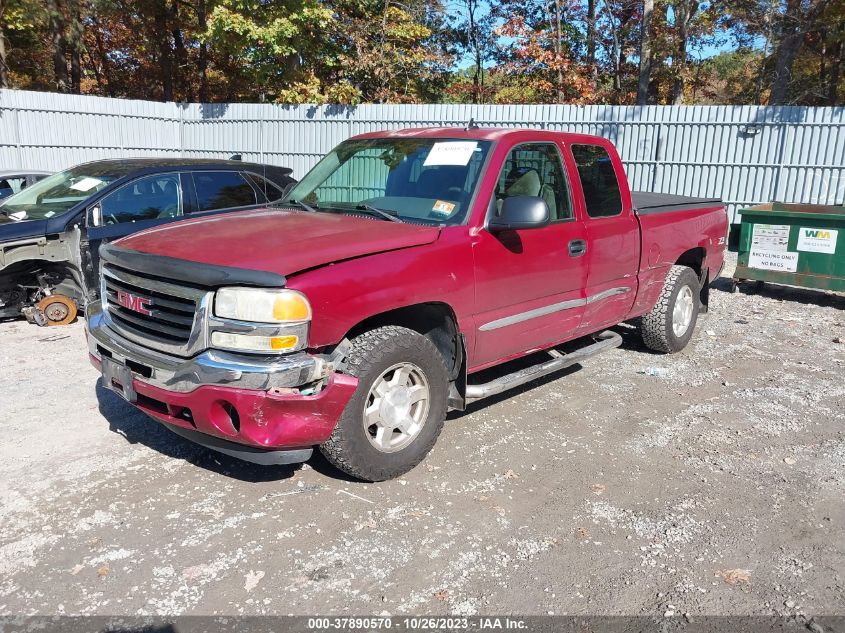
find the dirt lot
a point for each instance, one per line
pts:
(716, 489)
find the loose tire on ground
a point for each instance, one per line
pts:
(395, 366)
(58, 309)
(659, 327)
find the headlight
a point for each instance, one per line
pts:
(262, 305)
(260, 320)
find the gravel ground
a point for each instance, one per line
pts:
(716, 489)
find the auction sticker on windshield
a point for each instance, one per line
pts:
(86, 184)
(773, 260)
(450, 153)
(442, 207)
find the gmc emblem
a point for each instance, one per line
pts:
(136, 304)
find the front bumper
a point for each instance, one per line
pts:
(235, 401)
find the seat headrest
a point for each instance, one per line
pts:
(528, 184)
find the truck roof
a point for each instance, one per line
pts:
(474, 133)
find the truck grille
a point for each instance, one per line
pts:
(160, 314)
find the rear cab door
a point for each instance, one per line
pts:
(613, 233)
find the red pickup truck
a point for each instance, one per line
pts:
(352, 315)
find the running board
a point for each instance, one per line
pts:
(604, 341)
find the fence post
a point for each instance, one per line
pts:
(776, 192)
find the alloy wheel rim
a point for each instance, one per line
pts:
(682, 312)
(396, 407)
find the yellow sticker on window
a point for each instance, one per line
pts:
(443, 207)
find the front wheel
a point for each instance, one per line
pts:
(398, 409)
(670, 324)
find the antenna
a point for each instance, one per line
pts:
(472, 125)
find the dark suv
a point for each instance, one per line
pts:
(51, 231)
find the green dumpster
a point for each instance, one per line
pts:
(792, 244)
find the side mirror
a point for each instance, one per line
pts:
(95, 216)
(520, 212)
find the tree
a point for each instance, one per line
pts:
(645, 53)
(474, 33)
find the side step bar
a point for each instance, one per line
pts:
(604, 341)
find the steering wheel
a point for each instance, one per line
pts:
(111, 218)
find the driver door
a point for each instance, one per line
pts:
(529, 283)
(139, 204)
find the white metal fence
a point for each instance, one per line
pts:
(743, 154)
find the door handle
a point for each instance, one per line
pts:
(577, 248)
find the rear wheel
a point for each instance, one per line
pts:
(58, 309)
(670, 324)
(398, 409)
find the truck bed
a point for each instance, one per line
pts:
(646, 202)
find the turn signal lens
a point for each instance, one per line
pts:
(252, 343)
(291, 306)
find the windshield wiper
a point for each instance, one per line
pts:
(299, 203)
(376, 211)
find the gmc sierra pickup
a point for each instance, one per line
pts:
(352, 315)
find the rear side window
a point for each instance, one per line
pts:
(598, 180)
(222, 190)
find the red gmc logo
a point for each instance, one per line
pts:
(136, 304)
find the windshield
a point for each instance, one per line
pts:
(428, 180)
(58, 193)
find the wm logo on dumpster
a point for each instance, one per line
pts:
(817, 233)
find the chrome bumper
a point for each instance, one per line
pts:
(208, 368)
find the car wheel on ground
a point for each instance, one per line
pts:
(670, 324)
(398, 409)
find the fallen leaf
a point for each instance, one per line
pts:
(597, 488)
(252, 580)
(582, 532)
(735, 576)
(509, 474)
(442, 595)
(790, 461)
(103, 571)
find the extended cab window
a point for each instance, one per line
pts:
(598, 180)
(148, 198)
(222, 190)
(535, 169)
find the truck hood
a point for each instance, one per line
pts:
(10, 230)
(278, 241)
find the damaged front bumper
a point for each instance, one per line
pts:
(267, 410)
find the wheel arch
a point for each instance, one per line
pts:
(434, 320)
(696, 258)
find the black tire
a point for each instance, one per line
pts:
(657, 326)
(374, 352)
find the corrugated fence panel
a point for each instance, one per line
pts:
(742, 154)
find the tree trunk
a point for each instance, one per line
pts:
(836, 64)
(591, 33)
(559, 51)
(476, 50)
(684, 11)
(203, 54)
(102, 54)
(57, 38)
(791, 37)
(76, 47)
(165, 51)
(4, 73)
(645, 53)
